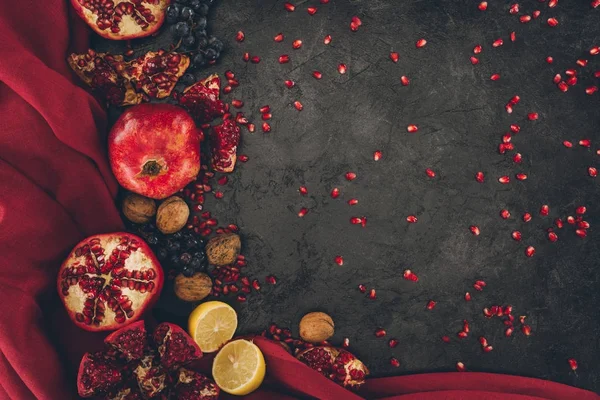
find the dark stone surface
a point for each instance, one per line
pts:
(461, 118)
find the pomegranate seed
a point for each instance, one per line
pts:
(404, 80)
(327, 39)
(335, 193)
(514, 100)
(460, 367)
(544, 210)
(570, 72)
(290, 84)
(377, 155)
(595, 3)
(421, 43)
(462, 334)
(583, 224)
(431, 305)
(271, 280)
(521, 177)
(572, 364)
(526, 329)
(265, 109)
(240, 36)
(581, 233)
(339, 260)
(498, 43)
(593, 172)
(218, 195)
(487, 313)
(474, 60)
(514, 8)
(585, 142)
(505, 214)
(380, 333)
(474, 230)
(483, 341)
(557, 78)
(393, 343)
(346, 343)
(482, 6)
(516, 235)
(581, 62)
(303, 211)
(237, 103)
(526, 217)
(362, 288)
(251, 129)
(504, 179)
(296, 44)
(536, 13)
(311, 10)
(530, 251)
(571, 81)
(222, 180)
(570, 220)
(479, 177)
(517, 157)
(290, 7)
(487, 349)
(597, 74)
(525, 18)
(255, 59)
(513, 36)
(355, 220)
(552, 22)
(477, 287)
(509, 331)
(549, 60)
(303, 190)
(477, 49)
(342, 68)
(430, 173)
(354, 26)
(581, 210)
(552, 3)
(227, 89)
(284, 58)
(411, 219)
(595, 50)
(553, 237)
(243, 158)
(278, 38)
(356, 20)
(372, 294)
(412, 128)
(298, 105)
(495, 77)
(350, 176)
(317, 75)
(266, 127)
(558, 222)
(353, 202)
(567, 144)
(508, 108)
(410, 276)
(446, 339)
(394, 362)
(394, 56)
(481, 283)
(532, 116)
(591, 90)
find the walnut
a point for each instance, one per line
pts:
(223, 249)
(138, 209)
(172, 215)
(193, 288)
(316, 327)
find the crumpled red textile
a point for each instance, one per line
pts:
(56, 188)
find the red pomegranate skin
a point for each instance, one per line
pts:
(154, 149)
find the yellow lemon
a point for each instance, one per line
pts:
(239, 367)
(212, 324)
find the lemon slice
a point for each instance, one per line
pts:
(212, 324)
(239, 367)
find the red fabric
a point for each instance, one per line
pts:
(56, 188)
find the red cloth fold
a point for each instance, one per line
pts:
(56, 188)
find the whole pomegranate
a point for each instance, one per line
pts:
(122, 19)
(136, 365)
(154, 149)
(109, 280)
(339, 365)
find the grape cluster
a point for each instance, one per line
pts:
(182, 251)
(188, 20)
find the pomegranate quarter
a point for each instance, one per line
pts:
(109, 280)
(154, 150)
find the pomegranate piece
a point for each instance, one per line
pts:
(338, 365)
(202, 99)
(129, 342)
(103, 287)
(224, 141)
(138, 144)
(192, 385)
(156, 73)
(97, 375)
(122, 19)
(175, 347)
(99, 72)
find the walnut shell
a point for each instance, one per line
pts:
(193, 288)
(223, 249)
(172, 215)
(316, 327)
(138, 209)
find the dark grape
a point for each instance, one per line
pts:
(174, 261)
(187, 13)
(185, 258)
(190, 242)
(215, 44)
(177, 235)
(152, 239)
(188, 79)
(162, 253)
(211, 54)
(201, 24)
(195, 4)
(203, 10)
(202, 42)
(173, 13)
(188, 41)
(198, 60)
(188, 271)
(173, 246)
(196, 263)
(184, 2)
(182, 29)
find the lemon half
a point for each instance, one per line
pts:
(212, 324)
(239, 367)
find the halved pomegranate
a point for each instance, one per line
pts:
(339, 365)
(154, 149)
(99, 71)
(122, 19)
(224, 141)
(202, 99)
(109, 280)
(138, 366)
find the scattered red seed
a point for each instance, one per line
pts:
(380, 332)
(421, 43)
(356, 220)
(462, 334)
(505, 214)
(289, 6)
(521, 176)
(350, 176)
(240, 36)
(504, 179)
(223, 180)
(570, 220)
(278, 37)
(536, 13)
(482, 6)
(593, 172)
(567, 144)
(290, 84)
(411, 219)
(549, 60)
(474, 230)
(532, 116)
(255, 59)
(243, 158)
(251, 127)
(495, 77)
(460, 367)
(595, 50)
(479, 177)
(526, 329)
(430, 173)
(525, 18)
(335, 193)
(431, 305)
(265, 109)
(487, 349)
(394, 56)
(514, 8)
(218, 194)
(580, 210)
(517, 157)
(483, 341)
(412, 128)
(513, 36)
(393, 343)
(552, 3)
(346, 343)
(327, 39)
(237, 103)
(298, 105)
(572, 364)
(446, 339)
(498, 43)
(404, 80)
(552, 22)
(553, 237)
(581, 62)
(509, 331)
(352, 202)
(394, 362)
(477, 287)
(410, 276)
(377, 155)
(526, 217)
(311, 10)
(477, 49)
(516, 235)
(591, 90)
(303, 190)
(362, 288)
(266, 127)
(467, 296)
(481, 283)
(271, 279)
(558, 222)
(595, 3)
(284, 58)
(296, 44)
(342, 68)
(585, 142)
(544, 210)
(530, 251)
(317, 75)
(303, 211)
(372, 294)
(474, 60)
